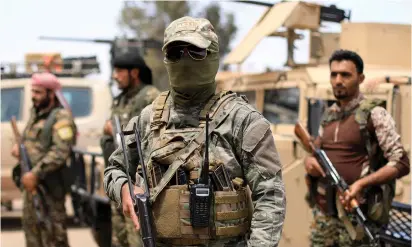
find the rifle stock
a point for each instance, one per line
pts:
(304, 138)
(331, 173)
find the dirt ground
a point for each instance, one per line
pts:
(13, 236)
(78, 237)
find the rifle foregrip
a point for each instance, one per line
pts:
(145, 219)
(354, 203)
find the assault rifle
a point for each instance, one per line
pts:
(142, 205)
(38, 196)
(331, 174)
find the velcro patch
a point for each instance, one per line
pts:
(186, 26)
(65, 133)
(61, 123)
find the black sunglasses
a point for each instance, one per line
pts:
(175, 53)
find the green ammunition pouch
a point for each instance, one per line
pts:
(172, 216)
(178, 149)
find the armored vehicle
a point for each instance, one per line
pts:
(88, 99)
(300, 92)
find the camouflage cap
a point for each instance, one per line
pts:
(196, 31)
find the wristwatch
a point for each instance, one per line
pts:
(387, 78)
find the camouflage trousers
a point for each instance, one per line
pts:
(37, 236)
(123, 231)
(330, 231)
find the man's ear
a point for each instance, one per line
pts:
(135, 73)
(361, 78)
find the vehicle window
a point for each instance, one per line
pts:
(281, 105)
(79, 99)
(11, 103)
(250, 95)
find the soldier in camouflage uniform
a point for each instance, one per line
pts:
(48, 148)
(360, 139)
(241, 141)
(134, 78)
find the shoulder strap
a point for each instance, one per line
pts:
(193, 145)
(362, 117)
(47, 129)
(158, 111)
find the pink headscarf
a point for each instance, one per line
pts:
(46, 80)
(50, 81)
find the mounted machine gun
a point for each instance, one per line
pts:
(117, 46)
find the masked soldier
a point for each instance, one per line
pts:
(134, 78)
(48, 138)
(360, 139)
(242, 152)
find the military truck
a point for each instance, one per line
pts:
(300, 92)
(88, 98)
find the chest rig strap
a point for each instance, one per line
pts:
(220, 113)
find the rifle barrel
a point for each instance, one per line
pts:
(141, 158)
(106, 41)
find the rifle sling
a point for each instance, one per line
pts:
(194, 144)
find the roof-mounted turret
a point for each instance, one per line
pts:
(51, 62)
(291, 15)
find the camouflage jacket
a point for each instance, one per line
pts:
(243, 139)
(131, 103)
(127, 105)
(46, 158)
(385, 130)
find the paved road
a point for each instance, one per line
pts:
(78, 237)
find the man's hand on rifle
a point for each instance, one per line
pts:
(108, 128)
(15, 151)
(353, 192)
(29, 180)
(128, 207)
(313, 168)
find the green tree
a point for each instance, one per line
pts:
(149, 19)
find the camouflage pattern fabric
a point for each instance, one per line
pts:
(330, 231)
(196, 31)
(127, 105)
(388, 138)
(45, 160)
(49, 159)
(37, 236)
(244, 137)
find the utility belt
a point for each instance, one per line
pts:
(230, 210)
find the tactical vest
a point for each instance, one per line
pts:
(57, 182)
(379, 198)
(135, 102)
(177, 151)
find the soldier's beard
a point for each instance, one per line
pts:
(340, 93)
(41, 104)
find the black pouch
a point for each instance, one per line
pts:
(331, 201)
(16, 175)
(108, 147)
(58, 183)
